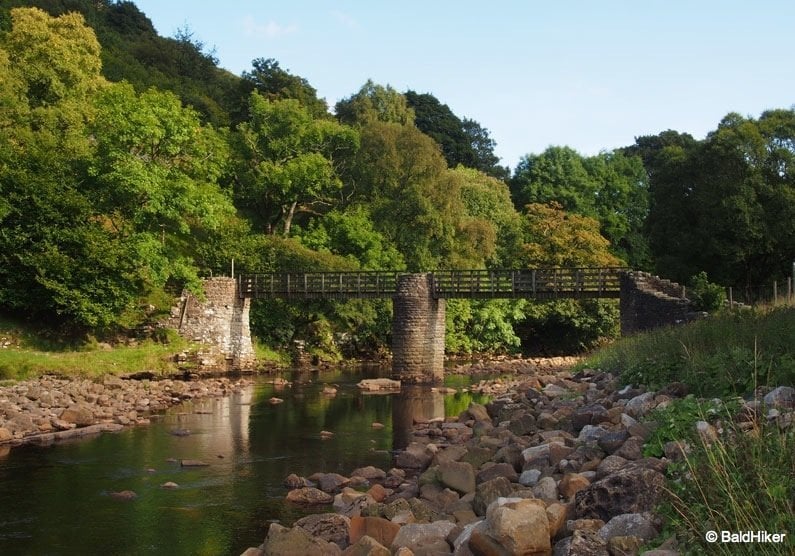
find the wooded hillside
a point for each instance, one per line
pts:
(131, 165)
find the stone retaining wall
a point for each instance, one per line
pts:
(649, 302)
(221, 321)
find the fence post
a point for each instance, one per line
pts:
(775, 292)
(789, 289)
(731, 299)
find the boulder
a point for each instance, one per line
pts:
(571, 484)
(477, 412)
(381, 530)
(79, 414)
(529, 477)
(366, 546)
(5, 435)
(582, 543)
(640, 405)
(378, 384)
(641, 525)
(498, 470)
(424, 538)
(591, 414)
(630, 490)
(488, 492)
(309, 495)
(330, 527)
(546, 489)
(519, 526)
(331, 482)
(781, 397)
(370, 473)
(415, 456)
(613, 440)
(282, 541)
(457, 475)
(624, 546)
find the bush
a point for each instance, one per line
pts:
(704, 295)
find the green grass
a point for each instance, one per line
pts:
(268, 355)
(27, 352)
(725, 354)
(152, 356)
(743, 481)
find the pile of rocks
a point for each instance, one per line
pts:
(49, 408)
(555, 466)
(513, 365)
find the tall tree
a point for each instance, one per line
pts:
(275, 83)
(463, 142)
(289, 161)
(374, 103)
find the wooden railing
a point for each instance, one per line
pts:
(320, 285)
(551, 283)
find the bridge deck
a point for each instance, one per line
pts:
(550, 283)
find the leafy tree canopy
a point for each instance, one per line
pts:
(375, 103)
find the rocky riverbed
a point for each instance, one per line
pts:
(47, 409)
(553, 465)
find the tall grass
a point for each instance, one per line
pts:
(743, 481)
(27, 353)
(725, 354)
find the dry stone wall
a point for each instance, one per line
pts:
(221, 321)
(649, 302)
(417, 331)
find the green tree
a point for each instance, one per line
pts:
(351, 233)
(289, 162)
(155, 178)
(374, 103)
(275, 83)
(555, 238)
(400, 174)
(487, 200)
(463, 142)
(721, 205)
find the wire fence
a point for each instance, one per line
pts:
(776, 292)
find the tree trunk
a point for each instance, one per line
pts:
(288, 219)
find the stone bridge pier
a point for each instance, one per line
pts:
(417, 331)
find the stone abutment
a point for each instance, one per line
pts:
(221, 321)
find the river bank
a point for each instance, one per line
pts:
(555, 463)
(52, 408)
(48, 409)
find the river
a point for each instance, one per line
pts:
(56, 500)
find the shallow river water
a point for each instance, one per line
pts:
(56, 500)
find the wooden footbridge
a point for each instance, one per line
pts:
(418, 302)
(546, 283)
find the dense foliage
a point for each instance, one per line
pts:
(131, 165)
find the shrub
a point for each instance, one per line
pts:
(704, 295)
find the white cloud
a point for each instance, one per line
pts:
(345, 19)
(270, 30)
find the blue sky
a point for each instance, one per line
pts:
(592, 75)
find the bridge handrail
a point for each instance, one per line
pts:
(539, 282)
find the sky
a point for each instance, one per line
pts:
(592, 75)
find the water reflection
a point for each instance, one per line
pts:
(413, 404)
(55, 500)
